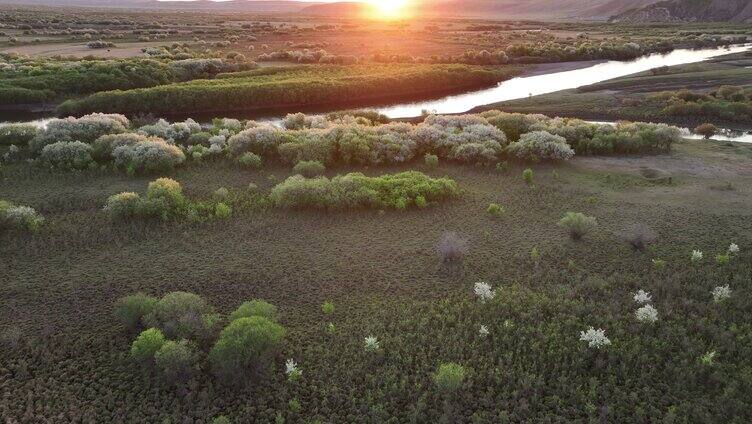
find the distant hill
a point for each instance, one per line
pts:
(690, 11)
(514, 9)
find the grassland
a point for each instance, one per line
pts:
(382, 273)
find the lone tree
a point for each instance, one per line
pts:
(706, 130)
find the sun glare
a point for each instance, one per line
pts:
(389, 9)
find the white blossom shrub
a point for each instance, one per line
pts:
(647, 314)
(541, 146)
(733, 249)
(17, 134)
(292, 371)
(721, 293)
(178, 132)
(260, 139)
(642, 297)
(483, 331)
(85, 129)
(483, 291)
(595, 338)
(148, 156)
(696, 257)
(19, 217)
(67, 155)
(371, 344)
(103, 146)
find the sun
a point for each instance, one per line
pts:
(389, 9)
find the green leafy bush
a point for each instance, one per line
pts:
(355, 190)
(176, 361)
(181, 315)
(130, 310)
(309, 168)
(432, 161)
(255, 308)
(244, 345)
(250, 160)
(577, 224)
(449, 377)
(147, 344)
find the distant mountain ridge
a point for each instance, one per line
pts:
(690, 11)
(272, 6)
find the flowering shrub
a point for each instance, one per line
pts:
(85, 129)
(261, 139)
(733, 249)
(642, 297)
(595, 338)
(67, 155)
(151, 155)
(483, 331)
(178, 132)
(371, 344)
(103, 146)
(483, 292)
(647, 314)
(250, 160)
(291, 370)
(721, 293)
(696, 257)
(541, 145)
(355, 190)
(18, 134)
(19, 217)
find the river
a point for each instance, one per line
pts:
(543, 83)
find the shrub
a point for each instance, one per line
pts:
(85, 129)
(639, 236)
(356, 190)
(19, 217)
(181, 315)
(432, 161)
(327, 308)
(495, 209)
(541, 145)
(449, 377)
(250, 160)
(17, 134)
(309, 169)
(147, 344)
(577, 224)
(255, 308)
(67, 155)
(259, 139)
(130, 310)
(245, 344)
(452, 247)
(706, 130)
(222, 210)
(176, 361)
(150, 155)
(103, 146)
(527, 176)
(123, 205)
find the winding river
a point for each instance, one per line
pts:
(537, 83)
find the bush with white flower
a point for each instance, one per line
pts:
(641, 297)
(19, 217)
(292, 370)
(371, 344)
(540, 146)
(483, 331)
(733, 249)
(67, 155)
(153, 154)
(696, 257)
(85, 129)
(647, 314)
(721, 293)
(483, 291)
(595, 338)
